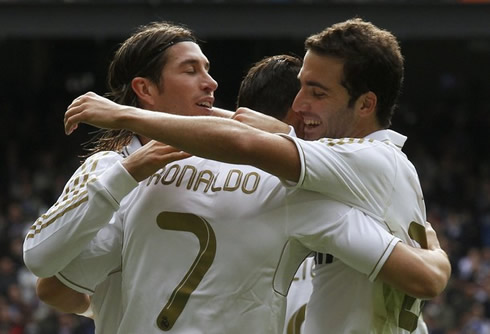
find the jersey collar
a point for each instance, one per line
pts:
(389, 135)
(132, 146)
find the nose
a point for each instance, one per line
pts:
(299, 104)
(209, 83)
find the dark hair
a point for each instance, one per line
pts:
(372, 62)
(141, 55)
(271, 85)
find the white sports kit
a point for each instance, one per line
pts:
(210, 247)
(375, 176)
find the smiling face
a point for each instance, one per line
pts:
(186, 88)
(322, 100)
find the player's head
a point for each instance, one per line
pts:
(271, 85)
(160, 67)
(164, 57)
(351, 79)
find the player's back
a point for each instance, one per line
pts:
(206, 237)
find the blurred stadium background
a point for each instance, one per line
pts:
(52, 51)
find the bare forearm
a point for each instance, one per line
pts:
(418, 272)
(209, 137)
(55, 294)
(218, 139)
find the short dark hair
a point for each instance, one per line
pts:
(271, 85)
(372, 62)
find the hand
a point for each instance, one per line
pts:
(92, 109)
(149, 158)
(260, 121)
(432, 241)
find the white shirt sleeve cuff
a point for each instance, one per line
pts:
(73, 285)
(383, 259)
(117, 181)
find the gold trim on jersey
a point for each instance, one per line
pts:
(75, 194)
(236, 179)
(297, 319)
(187, 222)
(75, 284)
(38, 227)
(342, 141)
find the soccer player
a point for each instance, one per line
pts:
(350, 81)
(235, 254)
(142, 65)
(270, 87)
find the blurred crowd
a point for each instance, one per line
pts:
(447, 129)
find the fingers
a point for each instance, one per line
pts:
(170, 154)
(71, 119)
(171, 157)
(70, 122)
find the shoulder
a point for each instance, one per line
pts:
(103, 158)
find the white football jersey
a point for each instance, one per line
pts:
(298, 296)
(84, 209)
(106, 304)
(209, 247)
(86, 204)
(375, 176)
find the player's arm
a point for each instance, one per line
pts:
(62, 298)
(361, 243)
(422, 273)
(88, 202)
(209, 137)
(69, 290)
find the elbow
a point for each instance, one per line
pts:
(36, 266)
(428, 289)
(44, 290)
(432, 284)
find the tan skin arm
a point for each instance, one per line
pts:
(57, 295)
(209, 137)
(421, 273)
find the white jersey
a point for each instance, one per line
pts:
(60, 234)
(106, 304)
(298, 296)
(84, 209)
(106, 297)
(212, 248)
(373, 175)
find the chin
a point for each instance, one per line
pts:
(312, 136)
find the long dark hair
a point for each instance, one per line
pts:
(141, 55)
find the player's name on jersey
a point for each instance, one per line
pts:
(205, 180)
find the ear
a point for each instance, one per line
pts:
(367, 104)
(144, 90)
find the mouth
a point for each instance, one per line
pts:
(310, 123)
(205, 104)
